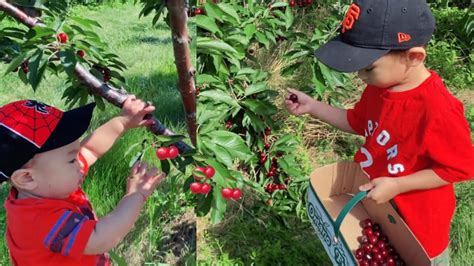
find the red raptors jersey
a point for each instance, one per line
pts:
(422, 128)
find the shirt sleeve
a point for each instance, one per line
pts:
(356, 115)
(67, 232)
(449, 145)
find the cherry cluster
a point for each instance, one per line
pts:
(164, 153)
(375, 249)
(194, 11)
(300, 3)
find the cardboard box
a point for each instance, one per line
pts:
(331, 188)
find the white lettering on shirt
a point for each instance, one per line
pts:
(383, 138)
(396, 168)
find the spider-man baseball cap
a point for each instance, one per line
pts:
(29, 127)
(372, 28)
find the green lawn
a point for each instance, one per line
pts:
(148, 53)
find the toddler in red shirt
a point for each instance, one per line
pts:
(417, 140)
(50, 221)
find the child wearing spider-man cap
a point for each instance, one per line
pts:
(50, 221)
(417, 140)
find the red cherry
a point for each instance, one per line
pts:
(359, 253)
(270, 188)
(174, 152)
(81, 53)
(390, 261)
(199, 169)
(267, 146)
(270, 173)
(372, 239)
(365, 263)
(195, 187)
(228, 124)
(374, 263)
(363, 239)
(263, 159)
(377, 234)
(205, 188)
(62, 37)
(390, 249)
(26, 69)
(375, 249)
(367, 223)
(163, 153)
(381, 244)
(268, 131)
(227, 193)
(384, 253)
(309, 2)
(210, 172)
(368, 231)
(366, 248)
(198, 11)
(376, 227)
(281, 187)
(292, 3)
(236, 194)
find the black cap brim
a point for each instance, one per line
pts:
(71, 127)
(344, 57)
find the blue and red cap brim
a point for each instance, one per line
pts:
(20, 141)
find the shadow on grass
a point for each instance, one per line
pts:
(153, 40)
(265, 240)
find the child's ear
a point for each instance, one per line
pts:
(23, 179)
(416, 56)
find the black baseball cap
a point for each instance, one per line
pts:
(372, 28)
(28, 127)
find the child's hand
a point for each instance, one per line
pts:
(143, 179)
(383, 189)
(133, 112)
(302, 105)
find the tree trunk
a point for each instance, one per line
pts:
(186, 73)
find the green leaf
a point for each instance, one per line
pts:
(260, 107)
(213, 11)
(68, 60)
(255, 88)
(219, 96)
(165, 166)
(206, 43)
(204, 203)
(250, 30)
(222, 155)
(261, 38)
(232, 142)
(206, 78)
(89, 23)
(218, 206)
(229, 10)
(290, 18)
(207, 23)
(18, 60)
(37, 65)
(279, 4)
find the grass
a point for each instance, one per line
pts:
(148, 53)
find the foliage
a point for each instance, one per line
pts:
(235, 105)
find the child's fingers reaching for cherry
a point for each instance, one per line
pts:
(144, 179)
(298, 102)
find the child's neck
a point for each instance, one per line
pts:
(414, 77)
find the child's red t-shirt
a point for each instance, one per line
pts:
(422, 128)
(51, 231)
